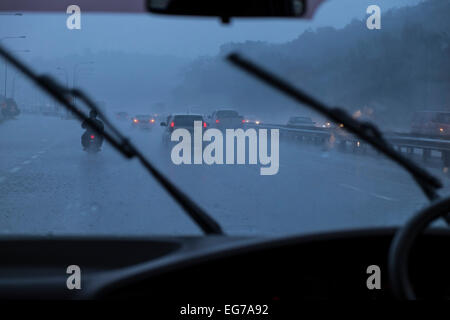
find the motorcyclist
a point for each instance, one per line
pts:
(90, 131)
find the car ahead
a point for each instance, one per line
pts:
(300, 122)
(143, 121)
(122, 116)
(252, 120)
(431, 123)
(226, 119)
(180, 121)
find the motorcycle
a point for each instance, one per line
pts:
(91, 142)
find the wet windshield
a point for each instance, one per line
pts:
(269, 177)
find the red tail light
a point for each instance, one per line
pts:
(243, 121)
(204, 124)
(135, 120)
(217, 121)
(92, 137)
(152, 120)
(172, 124)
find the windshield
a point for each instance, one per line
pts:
(269, 178)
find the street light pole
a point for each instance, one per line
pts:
(6, 64)
(75, 69)
(6, 76)
(65, 74)
(14, 78)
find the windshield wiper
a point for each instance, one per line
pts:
(364, 130)
(117, 140)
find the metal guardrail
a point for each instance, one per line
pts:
(404, 142)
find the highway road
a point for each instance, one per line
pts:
(49, 186)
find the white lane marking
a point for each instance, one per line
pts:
(2, 179)
(26, 162)
(350, 187)
(34, 157)
(379, 196)
(41, 152)
(14, 170)
(343, 169)
(373, 194)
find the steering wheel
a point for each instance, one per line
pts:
(402, 244)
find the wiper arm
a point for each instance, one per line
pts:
(117, 140)
(364, 130)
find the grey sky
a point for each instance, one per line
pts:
(47, 35)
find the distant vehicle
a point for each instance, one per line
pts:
(432, 123)
(251, 119)
(9, 108)
(177, 121)
(328, 124)
(226, 119)
(143, 121)
(122, 116)
(301, 122)
(157, 117)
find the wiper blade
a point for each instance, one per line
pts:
(117, 140)
(364, 130)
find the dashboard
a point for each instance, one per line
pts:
(219, 268)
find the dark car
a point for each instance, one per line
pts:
(252, 120)
(226, 119)
(143, 121)
(177, 121)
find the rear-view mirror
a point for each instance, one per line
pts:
(225, 9)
